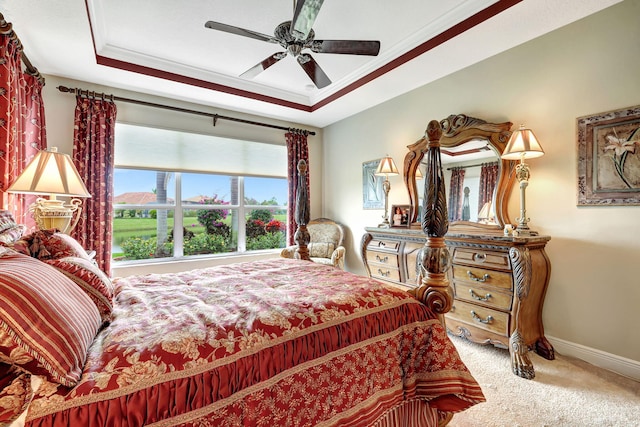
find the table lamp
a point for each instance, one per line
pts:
(54, 174)
(386, 168)
(523, 144)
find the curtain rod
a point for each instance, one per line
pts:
(473, 166)
(216, 117)
(7, 28)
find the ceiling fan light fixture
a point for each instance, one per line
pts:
(304, 16)
(297, 35)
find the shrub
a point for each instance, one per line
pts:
(266, 241)
(255, 228)
(138, 248)
(220, 229)
(205, 244)
(209, 218)
(274, 226)
(263, 215)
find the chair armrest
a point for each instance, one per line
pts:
(289, 252)
(337, 257)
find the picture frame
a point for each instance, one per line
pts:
(609, 158)
(372, 192)
(400, 216)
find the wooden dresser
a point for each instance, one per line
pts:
(498, 282)
(389, 254)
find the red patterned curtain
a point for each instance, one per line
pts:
(488, 179)
(456, 193)
(22, 125)
(93, 150)
(297, 149)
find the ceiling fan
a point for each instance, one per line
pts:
(296, 35)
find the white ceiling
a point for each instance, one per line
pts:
(102, 41)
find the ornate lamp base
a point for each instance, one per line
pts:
(53, 213)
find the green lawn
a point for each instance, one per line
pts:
(124, 228)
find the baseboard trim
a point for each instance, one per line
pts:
(620, 365)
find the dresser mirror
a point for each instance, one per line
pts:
(464, 135)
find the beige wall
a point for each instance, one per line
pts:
(588, 67)
(59, 110)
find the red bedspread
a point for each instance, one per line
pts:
(271, 343)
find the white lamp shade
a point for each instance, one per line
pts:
(51, 173)
(485, 212)
(387, 167)
(523, 143)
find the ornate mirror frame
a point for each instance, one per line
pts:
(456, 130)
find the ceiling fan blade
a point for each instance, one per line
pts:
(313, 70)
(303, 18)
(348, 47)
(261, 66)
(239, 31)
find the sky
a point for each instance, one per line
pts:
(194, 184)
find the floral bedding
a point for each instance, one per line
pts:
(270, 343)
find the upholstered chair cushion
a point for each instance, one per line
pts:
(321, 249)
(325, 244)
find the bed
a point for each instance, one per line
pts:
(280, 342)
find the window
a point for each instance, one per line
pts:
(227, 210)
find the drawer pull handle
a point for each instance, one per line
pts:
(476, 278)
(477, 318)
(480, 257)
(381, 244)
(380, 259)
(384, 274)
(478, 297)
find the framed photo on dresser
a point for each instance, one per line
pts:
(400, 216)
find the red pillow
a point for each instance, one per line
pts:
(51, 244)
(91, 280)
(47, 322)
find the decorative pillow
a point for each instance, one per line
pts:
(12, 234)
(321, 249)
(51, 244)
(9, 230)
(46, 322)
(6, 220)
(91, 280)
(19, 245)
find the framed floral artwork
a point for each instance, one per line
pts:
(609, 158)
(372, 192)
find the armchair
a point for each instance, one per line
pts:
(325, 246)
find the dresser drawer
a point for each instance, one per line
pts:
(383, 258)
(489, 297)
(385, 245)
(481, 317)
(490, 278)
(481, 258)
(383, 272)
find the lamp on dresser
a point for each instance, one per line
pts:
(386, 168)
(54, 174)
(522, 145)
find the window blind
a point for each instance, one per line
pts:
(161, 149)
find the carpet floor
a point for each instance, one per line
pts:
(566, 392)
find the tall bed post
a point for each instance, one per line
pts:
(434, 261)
(302, 237)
